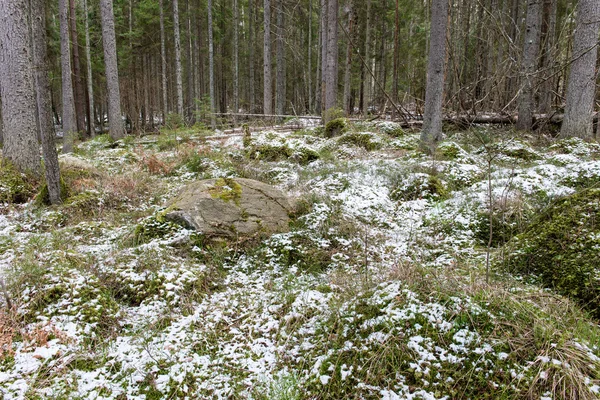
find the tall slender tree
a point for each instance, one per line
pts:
(16, 85)
(90, 82)
(582, 77)
(211, 66)
(43, 100)
(331, 79)
(436, 66)
(79, 91)
(115, 121)
(163, 59)
(280, 51)
(69, 123)
(178, 69)
(267, 73)
(531, 48)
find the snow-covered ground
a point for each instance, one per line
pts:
(377, 291)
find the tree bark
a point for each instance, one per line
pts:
(432, 117)
(267, 74)
(42, 84)
(531, 50)
(332, 56)
(190, 67)
(236, 56)
(211, 67)
(252, 73)
(178, 72)
(348, 71)
(581, 87)
(16, 86)
(115, 121)
(163, 59)
(323, 54)
(280, 50)
(366, 83)
(90, 83)
(309, 56)
(548, 58)
(80, 105)
(69, 123)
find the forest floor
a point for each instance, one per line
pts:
(379, 289)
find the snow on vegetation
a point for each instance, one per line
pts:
(377, 291)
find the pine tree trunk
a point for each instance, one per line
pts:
(69, 124)
(178, 69)
(267, 74)
(16, 86)
(309, 56)
(366, 82)
(115, 121)
(42, 84)
(80, 105)
(211, 67)
(531, 50)
(90, 84)
(332, 56)
(163, 58)
(280, 50)
(432, 116)
(581, 87)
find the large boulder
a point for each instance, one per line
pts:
(230, 208)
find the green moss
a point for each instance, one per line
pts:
(364, 140)
(269, 152)
(304, 156)
(152, 228)
(226, 189)
(448, 151)
(15, 187)
(43, 197)
(560, 249)
(336, 127)
(420, 186)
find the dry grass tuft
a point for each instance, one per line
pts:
(9, 328)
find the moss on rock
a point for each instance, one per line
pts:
(560, 249)
(336, 127)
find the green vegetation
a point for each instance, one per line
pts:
(560, 248)
(15, 187)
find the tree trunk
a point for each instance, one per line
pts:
(251, 40)
(90, 84)
(280, 50)
(323, 53)
(581, 87)
(348, 71)
(69, 123)
(531, 50)
(332, 56)
(163, 57)
(178, 72)
(16, 86)
(236, 56)
(267, 75)
(115, 121)
(548, 55)
(309, 56)
(190, 67)
(366, 83)
(42, 84)
(211, 67)
(432, 117)
(80, 105)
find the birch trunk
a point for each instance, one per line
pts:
(436, 65)
(581, 87)
(115, 120)
(531, 49)
(90, 83)
(267, 75)
(16, 88)
(69, 123)
(44, 101)
(178, 69)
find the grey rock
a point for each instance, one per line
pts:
(230, 208)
